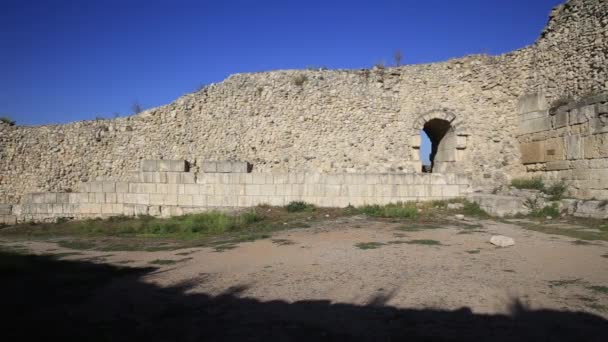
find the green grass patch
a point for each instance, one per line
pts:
(528, 183)
(417, 227)
(599, 289)
(397, 242)
(550, 210)
(425, 242)
(392, 210)
(369, 245)
(473, 209)
(575, 233)
(299, 206)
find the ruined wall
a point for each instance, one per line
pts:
(167, 187)
(568, 142)
(328, 121)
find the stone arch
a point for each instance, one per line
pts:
(448, 139)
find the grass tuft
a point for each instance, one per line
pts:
(369, 245)
(528, 183)
(299, 206)
(392, 210)
(425, 242)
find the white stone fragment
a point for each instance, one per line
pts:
(502, 241)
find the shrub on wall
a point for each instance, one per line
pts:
(7, 120)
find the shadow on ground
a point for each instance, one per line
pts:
(50, 299)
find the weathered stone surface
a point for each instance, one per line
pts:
(498, 205)
(502, 241)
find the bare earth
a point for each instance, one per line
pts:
(322, 264)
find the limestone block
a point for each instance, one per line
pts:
(162, 188)
(533, 152)
(415, 141)
(174, 177)
(149, 165)
(372, 179)
(533, 115)
(296, 190)
(280, 178)
(497, 205)
(8, 219)
(185, 200)
(296, 178)
(599, 125)
(461, 142)
(6, 209)
(78, 197)
(558, 165)
(531, 103)
(383, 190)
(573, 147)
(170, 199)
(154, 210)
(560, 119)
(98, 197)
(111, 197)
(187, 178)
(590, 147)
(258, 178)
(206, 189)
(178, 166)
(199, 200)
(108, 186)
(593, 209)
(602, 145)
(153, 177)
(267, 190)
(224, 166)
(122, 187)
(192, 189)
(209, 167)
(164, 165)
(157, 199)
(451, 191)
(83, 187)
(534, 125)
(554, 149)
(331, 190)
(239, 167)
(277, 200)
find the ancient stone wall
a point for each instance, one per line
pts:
(167, 187)
(568, 142)
(328, 121)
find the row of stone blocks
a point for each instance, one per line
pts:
(276, 178)
(207, 166)
(6, 214)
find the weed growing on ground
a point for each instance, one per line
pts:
(299, 206)
(392, 210)
(599, 289)
(369, 245)
(425, 242)
(474, 251)
(473, 209)
(564, 282)
(528, 183)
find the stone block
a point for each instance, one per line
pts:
(78, 197)
(500, 206)
(164, 165)
(209, 167)
(224, 167)
(108, 186)
(592, 209)
(178, 166)
(331, 190)
(111, 197)
(149, 165)
(239, 167)
(532, 103)
(560, 119)
(96, 186)
(6, 209)
(554, 149)
(206, 189)
(185, 200)
(157, 199)
(415, 141)
(558, 165)
(170, 199)
(187, 178)
(174, 177)
(267, 190)
(122, 187)
(532, 152)
(192, 189)
(199, 200)
(154, 210)
(602, 145)
(573, 146)
(8, 220)
(534, 125)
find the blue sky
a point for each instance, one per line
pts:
(63, 60)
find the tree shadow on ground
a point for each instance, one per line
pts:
(50, 299)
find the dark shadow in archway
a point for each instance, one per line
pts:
(44, 299)
(436, 130)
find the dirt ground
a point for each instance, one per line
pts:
(365, 263)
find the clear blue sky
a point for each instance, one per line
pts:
(63, 60)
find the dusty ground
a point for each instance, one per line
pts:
(443, 269)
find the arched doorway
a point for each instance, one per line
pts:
(443, 144)
(438, 142)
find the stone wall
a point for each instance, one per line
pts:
(568, 142)
(328, 121)
(165, 188)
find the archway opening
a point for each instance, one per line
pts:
(442, 145)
